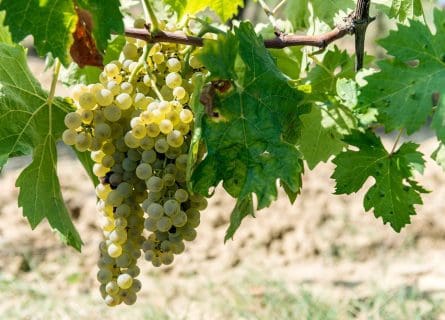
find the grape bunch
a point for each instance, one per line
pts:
(136, 122)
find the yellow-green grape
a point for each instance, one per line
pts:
(77, 91)
(155, 211)
(165, 126)
(112, 288)
(173, 80)
(112, 113)
(174, 65)
(102, 131)
(87, 101)
(194, 62)
(126, 87)
(175, 138)
(131, 141)
(114, 250)
(149, 156)
(124, 281)
(161, 145)
(95, 87)
(73, 120)
(147, 143)
(111, 70)
(181, 195)
(180, 219)
(83, 141)
(139, 23)
(130, 51)
(153, 130)
(87, 116)
(158, 57)
(179, 93)
(164, 224)
(171, 207)
(154, 184)
(139, 131)
(186, 116)
(69, 137)
(164, 107)
(113, 87)
(108, 161)
(104, 97)
(123, 101)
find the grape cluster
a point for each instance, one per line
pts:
(136, 123)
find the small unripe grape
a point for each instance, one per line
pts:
(153, 130)
(102, 131)
(139, 23)
(114, 87)
(112, 288)
(171, 207)
(194, 62)
(126, 87)
(180, 219)
(131, 141)
(175, 139)
(147, 143)
(161, 145)
(108, 161)
(87, 116)
(167, 258)
(158, 58)
(150, 224)
(155, 211)
(104, 276)
(181, 195)
(83, 141)
(149, 156)
(139, 131)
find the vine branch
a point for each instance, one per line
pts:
(355, 23)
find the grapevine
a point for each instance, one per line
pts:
(163, 112)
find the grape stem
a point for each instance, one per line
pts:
(149, 12)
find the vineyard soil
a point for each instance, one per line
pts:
(322, 258)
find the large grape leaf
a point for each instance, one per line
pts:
(394, 192)
(31, 122)
(251, 144)
(52, 23)
(402, 91)
(5, 35)
(225, 9)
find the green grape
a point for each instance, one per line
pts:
(131, 141)
(112, 288)
(161, 145)
(150, 224)
(104, 276)
(118, 236)
(179, 93)
(108, 161)
(114, 198)
(164, 224)
(181, 195)
(130, 51)
(171, 207)
(180, 219)
(181, 162)
(102, 131)
(155, 211)
(186, 116)
(123, 210)
(144, 171)
(175, 139)
(154, 184)
(167, 258)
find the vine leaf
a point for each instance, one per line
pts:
(225, 9)
(318, 142)
(250, 145)
(402, 91)
(325, 10)
(406, 9)
(57, 20)
(394, 192)
(31, 124)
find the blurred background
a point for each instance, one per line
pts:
(322, 258)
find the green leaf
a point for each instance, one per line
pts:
(439, 156)
(5, 35)
(30, 123)
(318, 142)
(242, 209)
(406, 9)
(402, 92)
(85, 159)
(225, 9)
(107, 19)
(87, 75)
(298, 13)
(394, 193)
(221, 56)
(250, 146)
(50, 22)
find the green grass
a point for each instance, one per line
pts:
(245, 298)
